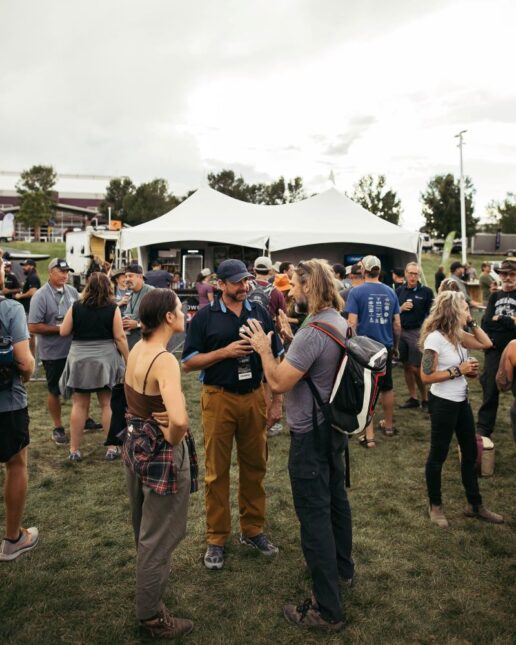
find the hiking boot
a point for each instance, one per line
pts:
(214, 557)
(274, 430)
(308, 615)
(27, 541)
(482, 513)
(410, 403)
(75, 456)
(59, 437)
(261, 543)
(91, 425)
(164, 625)
(437, 516)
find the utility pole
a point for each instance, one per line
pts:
(464, 240)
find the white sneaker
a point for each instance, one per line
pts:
(274, 430)
(27, 541)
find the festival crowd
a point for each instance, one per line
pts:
(258, 344)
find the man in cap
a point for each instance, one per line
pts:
(373, 310)
(355, 277)
(264, 292)
(457, 270)
(134, 281)
(47, 311)
(233, 408)
(499, 324)
(157, 277)
(11, 283)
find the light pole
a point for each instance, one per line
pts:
(462, 199)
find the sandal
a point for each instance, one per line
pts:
(367, 443)
(387, 432)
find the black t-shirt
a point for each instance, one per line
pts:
(422, 298)
(32, 281)
(93, 323)
(503, 330)
(11, 282)
(214, 327)
(159, 279)
(439, 277)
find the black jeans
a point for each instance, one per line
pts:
(448, 417)
(489, 408)
(317, 476)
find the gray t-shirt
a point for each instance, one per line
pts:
(133, 311)
(314, 352)
(48, 306)
(14, 324)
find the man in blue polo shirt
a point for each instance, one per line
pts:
(233, 406)
(373, 310)
(415, 303)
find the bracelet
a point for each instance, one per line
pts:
(457, 371)
(450, 372)
(473, 324)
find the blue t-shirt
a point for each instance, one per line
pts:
(375, 304)
(14, 324)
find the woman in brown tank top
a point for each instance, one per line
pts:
(159, 502)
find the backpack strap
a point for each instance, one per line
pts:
(149, 369)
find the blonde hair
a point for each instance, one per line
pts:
(448, 284)
(320, 286)
(445, 317)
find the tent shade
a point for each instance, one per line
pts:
(325, 218)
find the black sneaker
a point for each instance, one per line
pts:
(91, 425)
(59, 436)
(410, 403)
(261, 543)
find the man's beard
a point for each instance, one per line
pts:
(509, 285)
(301, 306)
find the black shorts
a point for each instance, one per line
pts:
(53, 371)
(14, 433)
(386, 382)
(409, 347)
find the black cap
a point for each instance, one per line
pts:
(30, 262)
(134, 268)
(456, 265)
(507, 265)
(232, 271)
(156, 263)
(399, 272)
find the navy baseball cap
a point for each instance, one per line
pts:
(134, 268)
(30, 262)
(232, 271)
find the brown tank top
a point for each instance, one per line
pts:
(140, 404)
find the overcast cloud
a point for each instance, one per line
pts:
(291, 87)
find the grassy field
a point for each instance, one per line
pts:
(414, 584)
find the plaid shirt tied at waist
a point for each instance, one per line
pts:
(151, 458)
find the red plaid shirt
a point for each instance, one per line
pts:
(151, 458)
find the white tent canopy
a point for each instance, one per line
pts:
(325, 218)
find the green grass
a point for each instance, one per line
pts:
(415, 583)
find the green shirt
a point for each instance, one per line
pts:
(485, 282)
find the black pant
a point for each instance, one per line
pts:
(317, 476)
(489, 407)
(448, 417)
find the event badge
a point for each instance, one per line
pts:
(244, 368)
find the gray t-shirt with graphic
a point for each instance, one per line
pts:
(14, 324)
(312, 352)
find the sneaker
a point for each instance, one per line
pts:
(27, 541)
(164, 625)
(214, 557)
(410, 403)
(482, 513)
(424, 406)
(59, 436)
(437, 516)
(261, 543)
(91, 425)
(274, 430)
(308, 615)
(112, 453)
(75, 455)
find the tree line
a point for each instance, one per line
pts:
(134, 204)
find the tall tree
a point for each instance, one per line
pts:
(116, 191)
(441, 205)
(276, 192)
(36, 198)
(148, 201)
(374, 197)
(502, 215)
(228, 183)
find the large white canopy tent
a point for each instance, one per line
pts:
(329, 217)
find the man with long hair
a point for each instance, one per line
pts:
(316, 464)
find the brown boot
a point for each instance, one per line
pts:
(308, 615)
(482, 513)
(437, 516)
(164, 625)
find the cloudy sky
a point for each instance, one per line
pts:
(175, 89)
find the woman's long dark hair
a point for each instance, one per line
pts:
(98, 291)
(154, 308)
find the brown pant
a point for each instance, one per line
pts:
(241, 416)
(159, 524)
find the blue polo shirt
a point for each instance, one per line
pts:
(215, 327)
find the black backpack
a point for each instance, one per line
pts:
(356, 386)
(7, 365)
(261, 295)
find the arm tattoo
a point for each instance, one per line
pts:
(427, 363)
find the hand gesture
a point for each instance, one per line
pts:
(255, 335)
(238, 349)
(285, 330)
